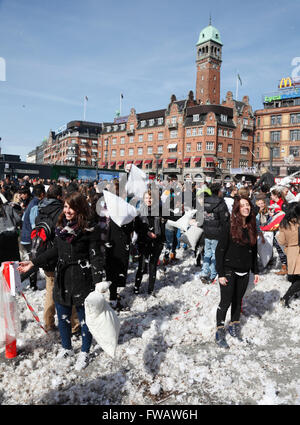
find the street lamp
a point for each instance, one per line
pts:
(157, 156)
(271, 145)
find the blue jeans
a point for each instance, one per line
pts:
(209, 259)
(64, 325)
(171, 241)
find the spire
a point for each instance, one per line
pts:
(209, 18)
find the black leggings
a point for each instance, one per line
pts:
(151, 256)
(232, 294)
(293, 289)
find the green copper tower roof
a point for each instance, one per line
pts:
(210, 33)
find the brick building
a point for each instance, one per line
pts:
(277, 132)
(193, 136)
(75, 143)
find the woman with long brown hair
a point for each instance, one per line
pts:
(80, 265)
(236, 255)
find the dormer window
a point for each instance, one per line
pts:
(196, 117)
(223, 118)
(160, 121)
(143, 123)
(151, 122)
(108, 128)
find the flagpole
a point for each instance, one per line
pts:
(120, 104)
(237, 88)
(84, 108)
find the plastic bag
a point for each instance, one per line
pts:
(102, 321)
(10, 325)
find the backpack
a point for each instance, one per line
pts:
(42, 239)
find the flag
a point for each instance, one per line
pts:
(121, 96)
(240, 79)
(86, 98)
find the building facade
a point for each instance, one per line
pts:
(277, 130)
(191, 137)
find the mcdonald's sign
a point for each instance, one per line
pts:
(285, 83)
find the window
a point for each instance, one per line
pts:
(131, 139)
(294, 135)
(220, 132)
(244, 136)
(140, 137)
(160, 135)
(188, 132)
(245, 121)
(243, 163)
(225, 133)
(258, 137)
(220, 147)
(140, 151)
(195, 117)
(244, 150)
(275, 136)
(122, 126)
(275, 119)
(122, 152)
(143, 123)
(276, 152)
(113, 152)
(151, 122)
(223, 117)
(160, 121)
(229, 163)
(188, 147)
(84, 141)
(108, 128)
(114, 141)
(194, 131)
(94, 142)
(173, 134)
(174, 120)
(209, 146)
(115, 127)
(199, 146)
(229, 148)
(122, 140)
(150, 137)
(210, 131)
(130, 151)
(295, 118)
(258, 121)
(105, 142)
(149, 150)
(230, 134)
(131, 127)
(294, 150)
(160, 149)
(105, 154)
(200, 131)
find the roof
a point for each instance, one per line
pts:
(151, 114)
(209, 33)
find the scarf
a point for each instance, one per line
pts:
(70, 231)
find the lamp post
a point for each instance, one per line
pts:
(271, 145)
(157, 156)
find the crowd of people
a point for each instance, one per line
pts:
(86, 246)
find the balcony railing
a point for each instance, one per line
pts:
(172, 125)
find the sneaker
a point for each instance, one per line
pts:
(82, 361)
(64, 353)
(220, 338)
(205, 279)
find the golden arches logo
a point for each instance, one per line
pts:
(285, 82)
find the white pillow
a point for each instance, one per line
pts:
(119, 210)
(192, 236)
(183, 222)
(137, 182)
(102, 321)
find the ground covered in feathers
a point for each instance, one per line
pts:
(166, 353)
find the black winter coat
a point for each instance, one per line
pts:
(117, 252)
(216, 215)
(145, 223)
(80, 265)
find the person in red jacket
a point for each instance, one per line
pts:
(278, 203)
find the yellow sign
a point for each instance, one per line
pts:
(285, 82)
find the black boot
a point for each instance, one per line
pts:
(220, 337)
(235, 330)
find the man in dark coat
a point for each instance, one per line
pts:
(216, 215)
(266, 178)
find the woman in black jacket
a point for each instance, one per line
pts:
(150, 229)
(236, 255)
(80, 265)
(10, 222)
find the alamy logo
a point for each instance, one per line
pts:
(2, 69)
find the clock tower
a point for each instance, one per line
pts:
(208, 61)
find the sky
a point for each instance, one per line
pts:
(56, 53)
